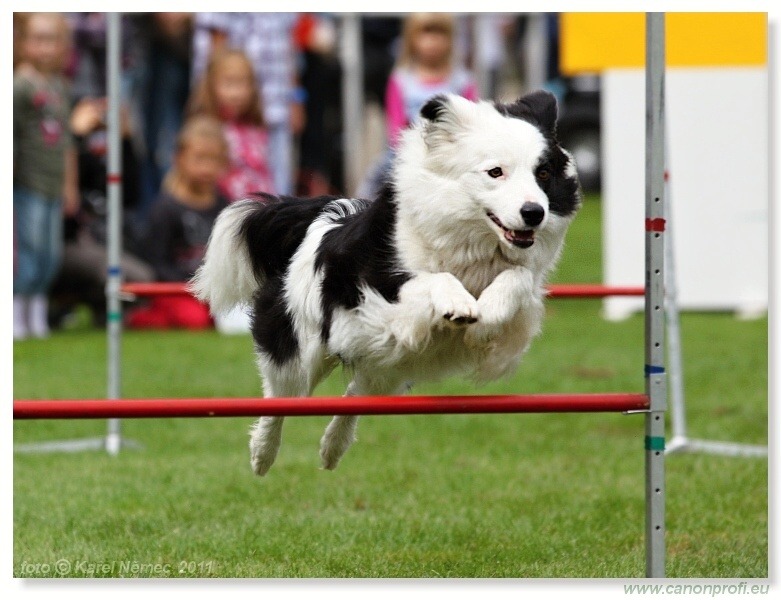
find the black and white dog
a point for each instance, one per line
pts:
(443, 273)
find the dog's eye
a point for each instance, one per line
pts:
(543, 173)
(495, 172)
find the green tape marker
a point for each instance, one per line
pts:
(113, 317)
(654, 443)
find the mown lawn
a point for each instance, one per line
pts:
(417, 496)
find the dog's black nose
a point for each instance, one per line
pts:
(532, 214)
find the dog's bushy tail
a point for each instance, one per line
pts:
(226, 278)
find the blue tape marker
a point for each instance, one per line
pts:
(653, 370)
(114, 271)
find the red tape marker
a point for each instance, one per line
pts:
(655, 224)
(113, 178)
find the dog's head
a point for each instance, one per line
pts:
(506, 159)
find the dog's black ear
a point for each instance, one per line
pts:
(444, 118)
(434, 108)
(539, 107)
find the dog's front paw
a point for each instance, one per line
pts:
(460, 319)
(510, 292)
(454, 304)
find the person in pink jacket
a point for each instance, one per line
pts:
(425, 68)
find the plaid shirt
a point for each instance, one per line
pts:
(267, 39)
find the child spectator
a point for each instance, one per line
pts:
(181, 221)
(45, 177)
(267, 39)
(84, 268)
(228, 92)
(424, 69)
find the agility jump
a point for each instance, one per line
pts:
(652, 403)
(574, 290)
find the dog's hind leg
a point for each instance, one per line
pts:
(266, 433)
(265, 438)
(340, 433)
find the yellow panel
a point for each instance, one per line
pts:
(591, 42)
(717, 39)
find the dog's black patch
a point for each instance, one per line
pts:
(272, 325)
(563, 192)
(275, 229)
(360, 252)
(538, 108)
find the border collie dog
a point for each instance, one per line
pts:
(443, 273)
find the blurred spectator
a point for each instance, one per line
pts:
(319, 164)
(83, 273)
(88, 65)
(425, 68)
(87, 68)
(228, 92)
(379, 40)
(165, 92)
(267, 39)
(88, 72)
(45, 176)
(181, 222)
(19, 23)
(490, 32)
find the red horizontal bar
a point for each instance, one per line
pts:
(586, 290)
(339, 405)
(589, 290)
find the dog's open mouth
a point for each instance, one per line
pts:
(523, 238)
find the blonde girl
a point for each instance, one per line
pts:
(228, 92)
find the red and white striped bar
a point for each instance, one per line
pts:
(318, 406)
(579, 290)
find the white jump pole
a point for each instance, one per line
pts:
(655, 377)
(114, 234)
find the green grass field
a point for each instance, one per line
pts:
(419, 496)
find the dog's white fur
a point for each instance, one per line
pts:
(461, 265)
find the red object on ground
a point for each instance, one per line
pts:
(576, 290)
(163, 288)
(340, 405)
(171, 312)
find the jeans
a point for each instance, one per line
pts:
(37, 241)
